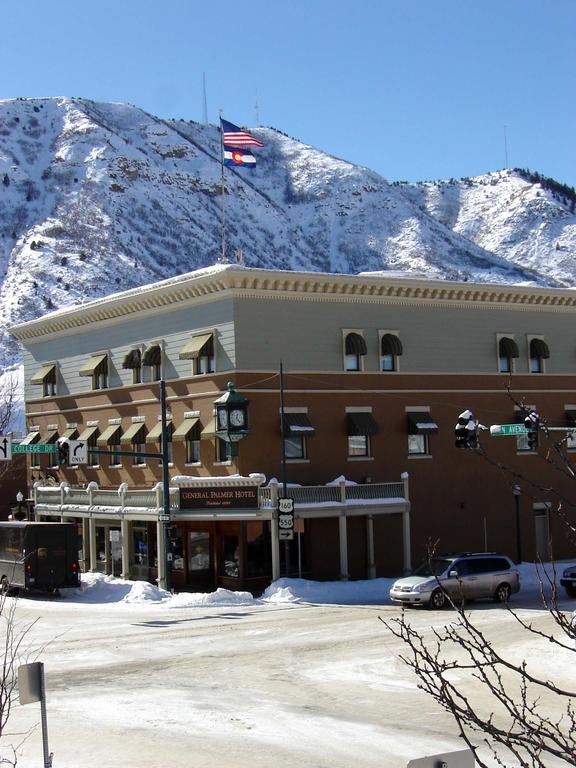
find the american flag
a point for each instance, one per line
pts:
(236, 137)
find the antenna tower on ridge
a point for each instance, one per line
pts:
(205, 101)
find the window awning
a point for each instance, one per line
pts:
(110, 436)
(184, 430)
(31, 438)
(355, 344)
(507, 347)
(209, 430)
(46, 374)
(391, 344)
(539, 348)
(134, 434)
(94, 365)
(152, 356)
(70, 434)
(298, 424)
(133, 359)
(420, 422)
(155, 434)
(197, 346)
(49, 438)
(362, 424)
(88, 434)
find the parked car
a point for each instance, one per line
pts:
(465, 576)
(568, 580)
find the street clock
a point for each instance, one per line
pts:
(231, 417)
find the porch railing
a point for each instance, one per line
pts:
(302, 495)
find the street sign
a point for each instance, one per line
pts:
(38, 448)
(163, 518)
(286, 519)
(78, 452)
(5, 448)
(505, 430)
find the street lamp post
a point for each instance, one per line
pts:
(19, 500)
(516, 491)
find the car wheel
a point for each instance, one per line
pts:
(4, 585)
(502, 593)
(437, 599)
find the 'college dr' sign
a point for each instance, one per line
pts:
(238, 497)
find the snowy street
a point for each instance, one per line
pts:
(223, 679)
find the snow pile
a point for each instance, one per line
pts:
(328, 592)
(221, 597)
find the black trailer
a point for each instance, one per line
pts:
(38, 556)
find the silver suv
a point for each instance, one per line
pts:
(466, 576)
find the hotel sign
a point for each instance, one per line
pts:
(221, 497)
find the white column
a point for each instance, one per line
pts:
(275, 546)
(343, 546)
(160, 550)
(125, 538)
(370, 546)
(406, 538)
(92, 543)
(406, 525)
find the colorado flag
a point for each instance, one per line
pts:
(236, 156)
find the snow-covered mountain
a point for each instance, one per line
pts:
(97, 198)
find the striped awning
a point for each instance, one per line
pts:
(133, 359)
(134, 434)
(355, 344)
(391, 344)
(110, 436)
(196, 346)
(31, 438)
(298, 424)
(507, 347)
(183, 431)
(420, 422)
(152, 356)
(539, 348)
(362, 423)
(46, 374)
(209, 430)
(88, 434)
(94, 365)
(49, 438)
(155, 434)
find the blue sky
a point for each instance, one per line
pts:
(415, 89)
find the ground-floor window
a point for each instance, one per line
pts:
(258, 549)
(140, 546)
(198, 551)
(230, 550)
(177, 547)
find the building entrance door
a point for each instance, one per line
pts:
(542, 534)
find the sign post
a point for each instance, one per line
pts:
(31, 688)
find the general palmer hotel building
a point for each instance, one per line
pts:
(358, 431)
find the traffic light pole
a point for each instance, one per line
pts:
(165, 491)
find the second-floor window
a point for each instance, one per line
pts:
(152, 358)
(539, 352)
(96, 367)
(390, 351)
(507, 353)
(354, 351)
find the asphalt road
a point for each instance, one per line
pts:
(315, 686)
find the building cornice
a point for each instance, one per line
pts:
(235, 282)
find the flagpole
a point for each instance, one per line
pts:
(222, 211)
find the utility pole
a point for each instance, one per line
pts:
(165, 490)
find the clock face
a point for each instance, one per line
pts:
(223, 418)
(237, 417)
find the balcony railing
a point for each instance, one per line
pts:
(149, 499)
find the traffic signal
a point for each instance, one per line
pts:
(532, 423)
(63, 452)
(466, 431)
